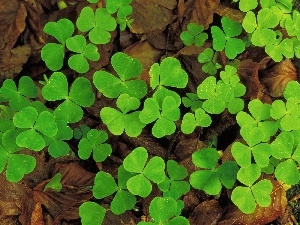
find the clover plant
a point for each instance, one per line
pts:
(258, 127)
(227, 38)
(194, 35)
(91, 213)
(81, 131)
(54, 183)
(61, 31)
(167, 74)
(261, 26)
(19, 97)
(211, 177)
(37, 126)
(191, 120)
(128, 69)
(94, 143)
(78, 62)
(174, 186)
(105, 185)
(246, 197)
(192, 101)
(164, 116)
(17, 164)
(292, 23)
(119, 120)
(97, 23)
(283, 148)
(270, 133)
(80, 95)
(216, 95)
(246, 5)
(57, 144)
(123, 10)
(163, 211)
(153, 170)
(208, 58)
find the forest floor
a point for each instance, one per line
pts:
(154, 35)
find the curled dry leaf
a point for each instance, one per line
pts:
(13, 60)
(206, 213)
(15, 201)
(276, 78)
(261, 215)
(233, 14)
(248, 73)
(64, 204)
(37, 215)
(201, 12)
(184, 151)
(12, 17)
(151, 15)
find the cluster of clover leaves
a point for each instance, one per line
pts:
(270, 132)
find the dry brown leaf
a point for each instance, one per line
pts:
(261, 215)
(64, 204)
(248, 73)
(186, 148)
(37, 215)
(276, 78)
(184, 151)
(148, 142)
(206, 213)
(15, 201)
(34, 25)
(233, 14)
(203, 11)
(11, 61)
(146, 54)
(150, 16)
(12, 17)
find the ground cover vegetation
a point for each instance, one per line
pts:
(116, 119)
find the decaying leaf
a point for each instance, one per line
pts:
(64, 204)
(12, 61)
(201, 12)
(149, 15)
(12, 17)
(248, 73)
(276, 78)
(37, 215)
(15, 201)
(206, 213)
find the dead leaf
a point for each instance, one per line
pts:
(248, 73)
(203, 11)
(37, 215)
(233, 14)
(12, 17)
(15, 201)
(148, 142)
(11, 61)
(187, 147)
(276, 78)
(206, 213)
(150, 16)
(64, 204)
